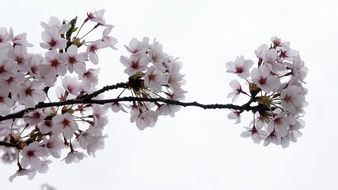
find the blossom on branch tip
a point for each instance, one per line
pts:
(276, 87)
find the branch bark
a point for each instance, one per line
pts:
(6, 144)
(85, 100)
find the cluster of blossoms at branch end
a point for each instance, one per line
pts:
(276, 86)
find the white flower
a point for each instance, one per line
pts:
(175, 80)
(7, 67)
(5, 102)
(153, 79)
(137, 47)
(144, 119)
(55, 62)
(46, 75)
(272, 138)
(19, 39)
(92, 49)
(276, 41)
(55, 23)
(264, 80)
(270, 56)
(21, 58)
(75, 61)
(66, 124)
(71, 85)
(89, 79)
(299, 70)
(54, 146)
(30, 93)
(108, 41)
(31, 155)
(236, 90)
(96, 16)
(280, 123)
(257, 134)
(117, 106)
(35, 117)
(134, 64)
(156, 54)
(13, 83)
(92, 140)
(21, 172)
(240, 67)
(44, 166)
(46, 126)
(99, 115)
(74, 156)
(4, 37)
(52, 39)
(235, 115)
(260, 52)
(294, 132)
(292, 99)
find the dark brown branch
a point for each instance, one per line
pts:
(102, 90)
(6, 144)
(85, 100)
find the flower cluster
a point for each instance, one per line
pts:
(276, 88)
(152, 74)
(26, 81)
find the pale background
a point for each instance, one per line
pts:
(201, 149)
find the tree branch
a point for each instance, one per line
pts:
(6, 144)
(85, 100)
(102, 90)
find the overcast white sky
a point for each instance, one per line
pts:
(201, 149)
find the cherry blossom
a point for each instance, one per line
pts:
(75, 61)
(65, 123)
(71, 85)
(30, 93)
(89, 79)
(22, 172)
(92, 49)
(236, 90)
(134, 64)
(31, 156)
(257, 134)
(54, 146)
(96, 16)
(240, 66)
(264, 79)
(74, 156)
(4, 37)
(52, 39)
(153, 79)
